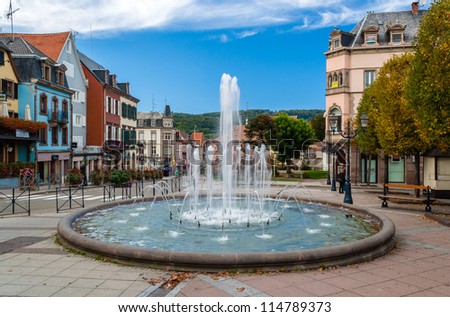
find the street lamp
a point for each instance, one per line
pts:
(85, 154)
(364, 120)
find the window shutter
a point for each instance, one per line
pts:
(16, 91)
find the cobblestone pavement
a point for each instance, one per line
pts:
(32, 263)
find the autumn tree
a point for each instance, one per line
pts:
(394, 119)
(429, 79)
(367, 139)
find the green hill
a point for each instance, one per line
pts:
(208, 123)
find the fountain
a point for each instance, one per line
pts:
(229, 219)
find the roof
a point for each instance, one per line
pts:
(90, 63)
(51, 44)
(385, 20)
(149, 115)
(18, 46)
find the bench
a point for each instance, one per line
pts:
(424, 200)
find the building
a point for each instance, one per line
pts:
(352, 61)
(45, 95)
(157, 135)
(111, 117)
(9, 141)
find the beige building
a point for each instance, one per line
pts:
(352, 62)
(156, 135)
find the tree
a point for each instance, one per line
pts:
(318, 125)
(367, 139)
(292, 135)
(429, 79)
(394, 119)
(260, 128)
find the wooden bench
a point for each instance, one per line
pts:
(425, 200)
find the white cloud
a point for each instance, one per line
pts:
(113, 16)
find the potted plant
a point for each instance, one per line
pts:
(120, 178)
(74, 177)
(96, 177)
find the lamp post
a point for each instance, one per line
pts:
(350, 134)
(327, 148)
(85, 154)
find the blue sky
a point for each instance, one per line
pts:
(177, 50)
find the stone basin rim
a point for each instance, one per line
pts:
(358, 251)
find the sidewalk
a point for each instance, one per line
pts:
(33, 264)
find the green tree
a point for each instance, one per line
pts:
(260, 128)
(394, 119)
(367, 139)
(318, 125)
(429, 80)
(293, 135)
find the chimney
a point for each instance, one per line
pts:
(415, 7)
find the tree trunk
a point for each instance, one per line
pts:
(417, 171)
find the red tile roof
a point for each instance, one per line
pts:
(51, 44)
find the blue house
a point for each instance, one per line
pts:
(44, 91)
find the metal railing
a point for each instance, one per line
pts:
(13, 202)
(69, 196)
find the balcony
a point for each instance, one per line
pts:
(61, 117)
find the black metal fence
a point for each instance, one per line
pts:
(18, 201)
(65, 198)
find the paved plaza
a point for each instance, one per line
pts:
(32, 263)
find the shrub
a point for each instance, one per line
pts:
(74, 177)
(120, 177)
(96, 177)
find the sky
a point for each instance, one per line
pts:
(175, 51)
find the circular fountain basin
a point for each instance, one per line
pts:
(295, 236)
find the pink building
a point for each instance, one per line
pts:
(352, 62)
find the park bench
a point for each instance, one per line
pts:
(426, 199)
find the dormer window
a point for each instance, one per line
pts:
(46, 72)
(396, 38)
(60, 70)
(336, 43)
(371, 39)
(396, 33)
(371, 35)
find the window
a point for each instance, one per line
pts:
(397, 38)
(65, 138)
(336, 43)
(167, 136)
(43, 104)
(109, 105)
(43, 136)
(141, 136)
(116, 107)
(340, 79)
(46, 72)
(59, 77)
(55, 106)
(371, 39)
(336, 112)
(153, 123)
(54, 135)
(65, 107)
(369, 78)
(153, 136)
(109, 134)
(2, 58)
(117, 133)
(167, 124)
(10, 88)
